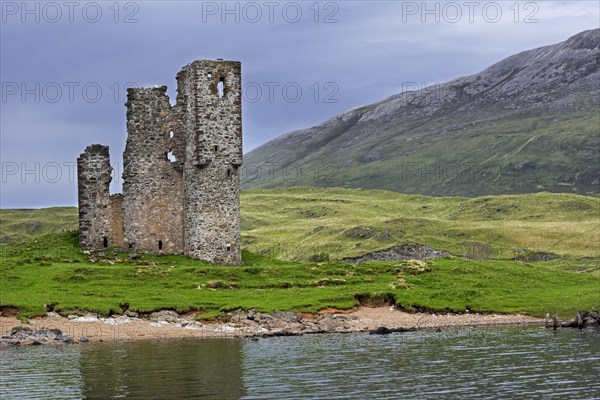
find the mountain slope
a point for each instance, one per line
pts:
(528, 123)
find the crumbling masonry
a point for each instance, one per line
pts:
(181, 167)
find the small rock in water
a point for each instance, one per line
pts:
(382, 330)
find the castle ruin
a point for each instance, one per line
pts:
(181, 165)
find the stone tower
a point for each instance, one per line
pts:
(181, 180)
(210, 115)
(93, 171)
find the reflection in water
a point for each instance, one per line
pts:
(174, 369)
(509, 362)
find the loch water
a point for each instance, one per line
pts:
(466, 363)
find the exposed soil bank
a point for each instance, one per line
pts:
(168, 324)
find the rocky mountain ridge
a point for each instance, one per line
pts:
(527, 123)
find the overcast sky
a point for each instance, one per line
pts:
(64, 66)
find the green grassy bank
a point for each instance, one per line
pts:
(284, 228)
(51, 270)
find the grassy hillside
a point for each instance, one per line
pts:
(296, 223)
(52, 270)
(302, 222)
(19, 225)
(284, 228)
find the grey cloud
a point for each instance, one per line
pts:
(371, 53)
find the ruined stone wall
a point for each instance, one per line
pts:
(152, 184)
(116, 221)
(181, 178)
(93, 178)
(209, 100)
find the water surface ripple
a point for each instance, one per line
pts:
(468, 363)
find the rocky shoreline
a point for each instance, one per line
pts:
(54, 329)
